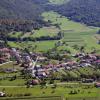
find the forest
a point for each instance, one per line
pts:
(84, 11)
(25, 15)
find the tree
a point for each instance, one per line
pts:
(98, 32)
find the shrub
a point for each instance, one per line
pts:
(27, 94)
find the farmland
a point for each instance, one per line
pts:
(45, 31)
(72, 90)
(50, 57)
(35, 98)
(73, 34)
(82, 91)
(75, 73)
(31, 45)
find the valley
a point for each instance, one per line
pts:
(73, 34)
(47, 53)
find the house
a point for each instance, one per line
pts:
(97, 62)
(2, 94)
(35, 82)
(97, 85)
(88, 80)
(2, 60)
(4, 55)
(42, 59)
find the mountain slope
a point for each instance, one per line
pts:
(85, 11)
(23, 9)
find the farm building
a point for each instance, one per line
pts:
(4, 55)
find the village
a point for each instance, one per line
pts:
(22, 68)
(34, 63)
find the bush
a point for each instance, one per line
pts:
(53, 91)
(73, 92)
(19, 95)
(27, 94)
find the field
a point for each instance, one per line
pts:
(41, 46)
(74, 33)
(45, 31)
(82, 91)
(35, 98)
(69, 90)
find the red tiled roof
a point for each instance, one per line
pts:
(98, 61)
(2, 59)
(5, 50)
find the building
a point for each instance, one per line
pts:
(97, 85)
(4, 55)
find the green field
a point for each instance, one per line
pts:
(45, 31)
(74, 33)
(16, 88)
(83, 91)
(41, 45)
(35, 98)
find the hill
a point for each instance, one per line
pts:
(23, 9)
(21, 15)
(84, 11)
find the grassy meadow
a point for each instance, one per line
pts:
(82, 91)
(45, 31)
(68, 90)
(41, 46)
(73, 34)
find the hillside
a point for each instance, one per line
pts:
(20, 15)
(23, 9)
(85, 11)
